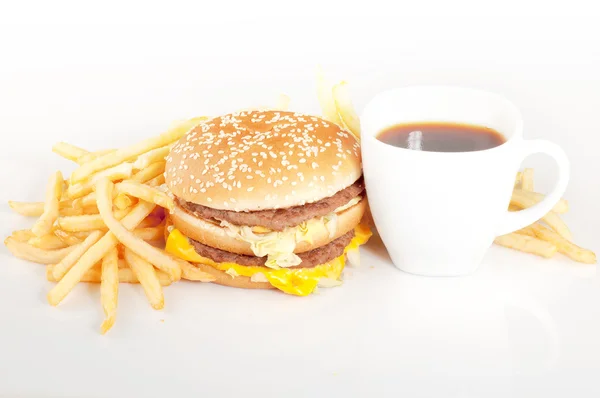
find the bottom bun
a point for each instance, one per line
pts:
(224, 279)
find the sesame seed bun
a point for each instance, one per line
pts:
(213, 235)
(258, 160)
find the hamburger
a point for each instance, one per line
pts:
(267, 199)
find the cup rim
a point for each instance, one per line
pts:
(513, 109)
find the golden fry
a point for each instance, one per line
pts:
(22, 235)
(26, 251)
(145, 273)
(68, 151)
(123, 201)
(69, 261)
(552, 219)
(191, 273)
(159, 258)
(126, 275)
(93, 155)
(150, 172)
(153, 156)
(109, 289)
(150, 233)
(283, 103)
(518, 179)
(124, 154)
(68, 238)
(47, 242)
(345, 109)
(157, 181)
(564, 246)
(527, 180)
(95, 254)
(562, 206)
(43, 225)
(527, 244)
(119, 172)
(325, 96)
(145, 192)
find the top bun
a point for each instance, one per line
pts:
(256, 160)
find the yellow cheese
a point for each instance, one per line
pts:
(299, 281)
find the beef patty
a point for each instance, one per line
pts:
(309, 259)
(277, 219)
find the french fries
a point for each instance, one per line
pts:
(145, 273)
(123, 201)
(524, 201)
(159, 258)
(93, 155)
(191, 273)
(283, 102)
(28, 252)
(561, 207)
(119, 172)
(86, 222)
(126, 275)
(47, 242)
(152, 171)
(153, 156)
(527, 180)
(527, 244)
(23, 235)
(54, 190)
(70, 259)
(145, 192)
(68, 238)
(33, 209)
(125, 154)
(95, 254)
(109, 289)
(564, 246)
(325, 96)
(345, 109)
(150, 233)
(68, 151)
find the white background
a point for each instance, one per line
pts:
(110, 74)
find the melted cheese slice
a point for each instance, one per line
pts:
(299, 281)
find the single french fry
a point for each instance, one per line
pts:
(564, 246)
(159, 258)
(153, 156)
(68, 238)
(109, 289)
(88, 157)
(123, 201)
(191, 273)
(526, 231)
(518, 179)
(150, 233)
(150, 221)
(157, 181)
(47, 242)
(26, 251)
(126, 275)
(527, 180)
(34, 209)
(119, 172)
(95, 254)
(325, 96)
(345, 108)
(70, 259)
(22, 235)
(43, 225)
(552, 219)
(145, 273)
(70, 211)
(86, 222)
(562, 206)
(145, 192)
(127, 153)
(527, 244)
(68, 151)
(150, 172)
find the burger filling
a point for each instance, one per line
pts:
(299, 281)
(278, 219)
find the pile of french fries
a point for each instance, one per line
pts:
(547, 236)
(101, 224)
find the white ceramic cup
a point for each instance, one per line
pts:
(438, 212)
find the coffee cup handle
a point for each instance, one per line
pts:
(513, 221)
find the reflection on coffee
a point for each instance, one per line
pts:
(441, 137)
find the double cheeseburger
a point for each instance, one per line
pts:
(267, 199)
